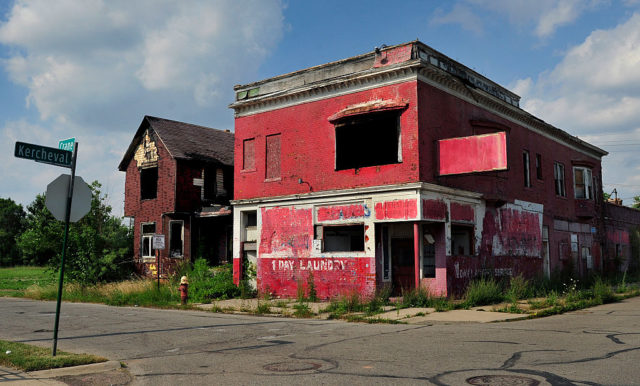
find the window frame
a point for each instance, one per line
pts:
(539, 166)
(559, 181)
(171, 224)
(471, 233)
(321, 234)
(148, 238)
(526, 168)
(587, 178)
(145, 184)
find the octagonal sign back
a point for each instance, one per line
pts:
(56, 199)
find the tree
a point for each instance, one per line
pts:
(636, 202)
(99, 247)
(12, 221)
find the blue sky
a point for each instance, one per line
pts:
(91, 69)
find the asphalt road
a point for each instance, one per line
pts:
(595, 346)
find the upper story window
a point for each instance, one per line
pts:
(558, 176)
(525, 169)
(272, 158)
(249, 154)
(538, 166)
(148, 183)
(368, 140)
(582, 185)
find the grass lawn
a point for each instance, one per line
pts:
(14, 281)
(31, 358)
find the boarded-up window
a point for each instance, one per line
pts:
(249, 154)
(273, 157)
(478, 153)
(582, 182)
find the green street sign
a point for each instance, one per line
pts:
(66, 144)
(44, 154)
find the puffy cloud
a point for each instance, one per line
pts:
(460, 14)
(594, 93)
(94, 68)
(93, 61)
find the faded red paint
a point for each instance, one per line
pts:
(462, 212)
(332, 277)
(461, 270)
(342, 212)
(307, 146)
(393, 56)
(618, 236)
(369, 107)
(520, 234)
(471, 154)
(397, 209)
(286, 231)
(434, 210)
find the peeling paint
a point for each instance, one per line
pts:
(397, 209)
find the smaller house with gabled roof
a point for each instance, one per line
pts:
(179, 180)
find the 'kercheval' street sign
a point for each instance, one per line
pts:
(44, 154)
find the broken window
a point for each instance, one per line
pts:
(249, 154)
(525, 169)
(250, 225)
(273, 157)
(461, 240)
(148, 183)
(368, 140)
(539, 166)
(176, 238)
(582, 183)
(341, 238)
(428, 256)
(558, 175)
(147, 231)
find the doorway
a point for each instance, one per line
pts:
(402, 260)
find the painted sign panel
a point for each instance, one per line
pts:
(397, 210)
(477, 153)
(342, 212)
(434, 210)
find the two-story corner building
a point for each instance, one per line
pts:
(402, 167)
(179, 180)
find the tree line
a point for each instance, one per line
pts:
(99, 247)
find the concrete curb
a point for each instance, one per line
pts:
(76, 370)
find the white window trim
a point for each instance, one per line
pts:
(149, 239)
(558, 168)
(587, 176)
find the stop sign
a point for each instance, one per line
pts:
(56, 199)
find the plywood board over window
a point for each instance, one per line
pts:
(273, 157)
(249, 154)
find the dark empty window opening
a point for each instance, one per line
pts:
(525, 169)
(461, 240)
(368, 140)
(539, 166)
(148, 183)
(210, 183)
(342, 238)
(176, 239)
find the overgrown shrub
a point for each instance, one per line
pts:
(206, 284)
(483, 292)
(519, 288)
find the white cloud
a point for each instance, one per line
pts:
(92, 61)
(94, 68)
(543, 17)
(460, 14)
(594, 93)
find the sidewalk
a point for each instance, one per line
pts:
(405, 315)
(109, 372)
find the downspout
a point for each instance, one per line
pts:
(416, 253)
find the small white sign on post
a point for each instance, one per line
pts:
(158, 241)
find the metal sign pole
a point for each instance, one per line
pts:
(64, 247)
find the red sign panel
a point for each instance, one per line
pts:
(477, 153)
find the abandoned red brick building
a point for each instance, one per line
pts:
(403, 167)
(179, 180)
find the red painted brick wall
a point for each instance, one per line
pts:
(307, 147)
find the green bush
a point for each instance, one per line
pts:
(603, 292)
(519, 288)
(206, 285)
(483, 292)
